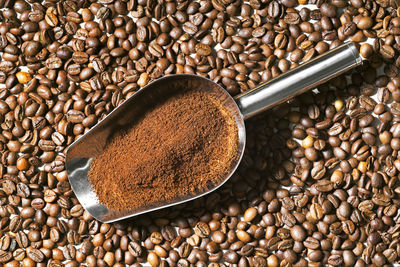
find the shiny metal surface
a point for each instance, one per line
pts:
(299, 80)
(278, 90)
(82, 152)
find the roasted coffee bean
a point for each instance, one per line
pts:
(22, 239)
(367, 103)
(395, 109)
(36, 255)
(387, 51)
(316, 211)
(288, 219)
(324, 186)
(335, 260)
(311, 243)
(5, 256)
(135, 249)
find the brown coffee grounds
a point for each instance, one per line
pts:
(180, 147)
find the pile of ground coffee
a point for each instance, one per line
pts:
(179, 147)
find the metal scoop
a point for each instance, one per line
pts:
(243, 106)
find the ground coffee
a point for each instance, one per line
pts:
(182, 146)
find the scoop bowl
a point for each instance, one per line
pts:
(81, 153)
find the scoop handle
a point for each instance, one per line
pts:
(298, 80)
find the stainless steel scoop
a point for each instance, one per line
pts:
(246, 105)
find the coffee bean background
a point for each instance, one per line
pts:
(319, 181)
